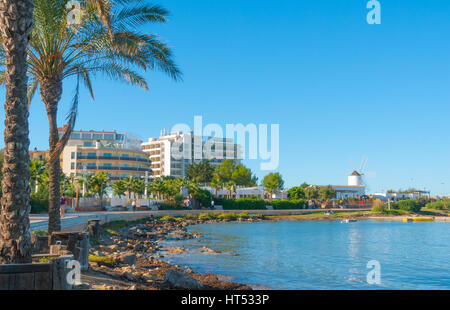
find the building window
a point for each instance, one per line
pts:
(87, 144)
(72, 166)
(107, 155)
(72, 156)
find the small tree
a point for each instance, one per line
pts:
(225, 170)
(326, 193)
(273, 183)
(296, 193)
(311, 192)
(242, 176)
(202, 172)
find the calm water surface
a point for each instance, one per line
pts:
(322, 255)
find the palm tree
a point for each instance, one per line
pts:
(37, 171)
(15, 26)
(128, 186)
(98, 184)
(119, 188)
(59, 50)
(273, 183)
(157, 187)
(231, 187)
(216, 183)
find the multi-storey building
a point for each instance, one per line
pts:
(119, 155)
(172, 153)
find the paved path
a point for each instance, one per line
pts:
(78, 221)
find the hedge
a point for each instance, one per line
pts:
(408, 205)
(439, 205)
(241, 204)
(288, 204)
(39, 203)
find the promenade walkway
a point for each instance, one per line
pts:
(78, 221)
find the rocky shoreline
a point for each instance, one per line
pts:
(128, 256)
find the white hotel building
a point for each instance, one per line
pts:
(172, 153)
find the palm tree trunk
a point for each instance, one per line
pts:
(15, 26)
(51, 90)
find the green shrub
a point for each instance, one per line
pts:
(378, 206)
(409, 205)
(288, 204)
(179, 200)
(170, 205)
(250, 204)
(39, 202)
(204, 197)
(102, 261)
(227, 204)
(40, 233)
(241, 204)
(167, 218)
(207, 216)
(439, 205)
(227, 216)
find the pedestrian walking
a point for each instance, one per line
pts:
(62, 207)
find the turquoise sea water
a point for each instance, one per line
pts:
(322, 255)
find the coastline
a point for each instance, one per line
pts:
(141, 239)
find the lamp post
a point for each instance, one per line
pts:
(84, 179)
(146, 184)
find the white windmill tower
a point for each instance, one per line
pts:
(357, 177)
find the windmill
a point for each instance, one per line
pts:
(358, 177)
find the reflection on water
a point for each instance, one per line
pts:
(322, 255)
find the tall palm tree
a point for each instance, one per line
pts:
(59, 50)
(216, 183)
(119, 188)
(157, 187)
(231, 187)
(16, 19)
(37, 172)
(128, 184)
(98, 184)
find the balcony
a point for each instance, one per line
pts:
(116, 168)
(144, 160)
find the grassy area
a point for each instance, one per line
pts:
(113, 228)
(100, 260)
(41, 233)
(45, 259)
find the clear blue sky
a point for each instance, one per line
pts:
(338, 87)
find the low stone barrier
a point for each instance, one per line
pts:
(36, 276)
